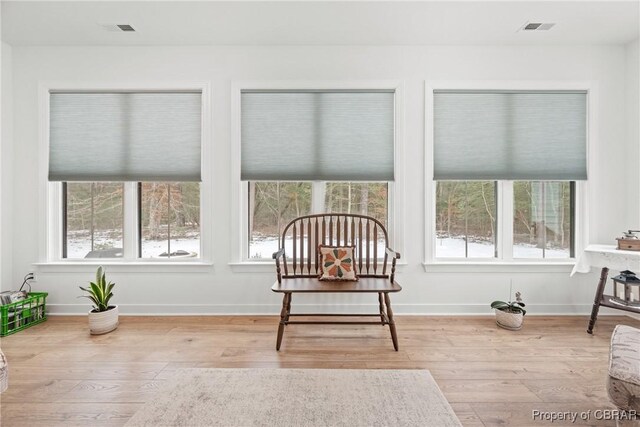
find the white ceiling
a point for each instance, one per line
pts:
(318, 22)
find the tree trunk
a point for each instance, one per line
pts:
(330, 197)
(364, 199)
(155, 215)
(486, 206)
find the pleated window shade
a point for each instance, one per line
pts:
(317, 135)
(125, 136)
(510, 135)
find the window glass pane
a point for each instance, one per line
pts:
(272, 205)
(364, 198)
(542, 219)
(94, 220)
(466, 219)
(170, 220)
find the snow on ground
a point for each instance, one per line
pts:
(79, 248)
(453, 247)
(263, 247)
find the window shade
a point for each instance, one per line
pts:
(317, 135)
(142, 136)
(510, 135)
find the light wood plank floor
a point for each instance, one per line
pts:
(60, 375)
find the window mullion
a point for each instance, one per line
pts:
(505, 220)
(131, 218)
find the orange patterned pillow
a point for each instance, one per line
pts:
(337, 263)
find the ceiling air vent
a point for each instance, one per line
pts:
(125, 27)
(537, 26)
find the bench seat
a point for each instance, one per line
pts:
(313, 284)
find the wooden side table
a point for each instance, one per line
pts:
(606, 257)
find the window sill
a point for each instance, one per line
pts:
(123, 266)
(267, 266)
(564, 266)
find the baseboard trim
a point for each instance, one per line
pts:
(274, 309)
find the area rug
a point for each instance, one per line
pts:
(298, 397)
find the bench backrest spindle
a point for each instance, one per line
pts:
(301, 237)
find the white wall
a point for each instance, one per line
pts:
(6, 169)
(221, 290)
(633, 124)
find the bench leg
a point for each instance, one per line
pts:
(288, 306)
(392, 323)
(284, 315)
(381, 302)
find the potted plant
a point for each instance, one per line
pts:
(104, 317)
(509, 315)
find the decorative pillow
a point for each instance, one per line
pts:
(337, 263)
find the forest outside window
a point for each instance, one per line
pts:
(169, 222)
(543, 219)
(167, 218)
(468, 220)
(466, 213)
(272, 205)
(93, 220)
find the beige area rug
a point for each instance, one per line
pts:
(298, 397)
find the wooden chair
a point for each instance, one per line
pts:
(297, 266)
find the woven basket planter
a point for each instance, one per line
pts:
(103, 321)
(508, 320)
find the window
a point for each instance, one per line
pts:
(466, 214)
(365, 198)
(93, 220)
(168, 220)
(127, 167)
(272, 205)
(467, 219)
(305, 151)
(543, 225)
(505, 167)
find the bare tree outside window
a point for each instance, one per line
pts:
(466, 214)
(93, 218)
(169, 220)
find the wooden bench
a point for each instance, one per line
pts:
(297, 266)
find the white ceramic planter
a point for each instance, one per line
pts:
(104, 321)
(507, 320)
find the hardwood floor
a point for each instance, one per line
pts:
(60, 375)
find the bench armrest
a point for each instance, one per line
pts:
(394, 257)
(393, 254)
(277, 256)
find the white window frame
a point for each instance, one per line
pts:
(504, 227)
(239, 192)
(50, 193)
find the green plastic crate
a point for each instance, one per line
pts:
(20, 315)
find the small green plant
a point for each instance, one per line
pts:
(100, 292)
(516, 306)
